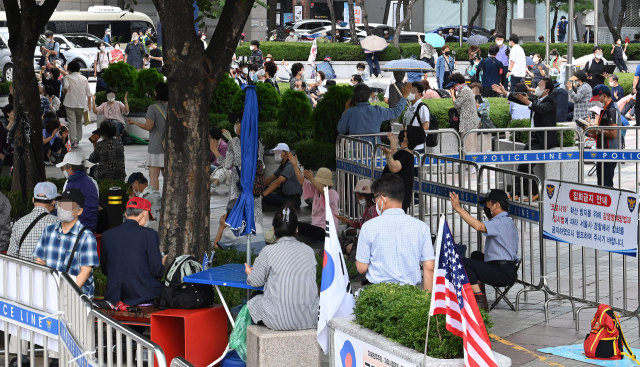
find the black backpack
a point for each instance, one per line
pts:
(431, 139)
(454, 119)
(176, 293)
(443, 93)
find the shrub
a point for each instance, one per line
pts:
(568, 136)
(4, 87)
(316, 154)
(146, 82)
(223, 95)
(295, 112)
(300, 51)
(121, 76)
(233, 296)
(326, 115)
(268, 100)
(626, 80)
(216, 118)
(100, 282)
(270, 135)
(400, 313)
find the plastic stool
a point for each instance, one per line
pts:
(232, 360)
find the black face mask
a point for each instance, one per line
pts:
(487, 211)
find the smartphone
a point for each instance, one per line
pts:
(582, 123)
(94, 138)
(520, 93)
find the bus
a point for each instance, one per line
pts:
(95, 21)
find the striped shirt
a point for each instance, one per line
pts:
(580, 99)
(26, 251)
(287, 270)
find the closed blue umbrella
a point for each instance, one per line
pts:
(241, 219)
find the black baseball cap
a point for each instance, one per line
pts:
(494, 195)
(74, 195)
(135, 177)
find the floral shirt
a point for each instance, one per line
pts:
(369, 213)
(109, 156)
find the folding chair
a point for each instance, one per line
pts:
(502, 294)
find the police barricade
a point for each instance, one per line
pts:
(28, 308)
(353, 162)
(180, 362)
(527, 216)
(75, 331)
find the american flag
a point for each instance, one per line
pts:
(452, 296)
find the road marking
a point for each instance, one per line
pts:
(525, 350)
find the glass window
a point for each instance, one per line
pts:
(83, 40)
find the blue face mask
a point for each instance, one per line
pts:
(254, 77)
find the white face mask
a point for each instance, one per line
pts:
(134, 38)
(251, 48)
(111, 97)
(411, 98)
(619, 42)
(65, 216)
(539, 92)
(66, 174)
(598, 55)
(599, 104)
(611, 84)
(245, 71)
(535, 59)
(499, 43)
(278, 158)
(379, 210)
(101, 48)
(117, 47)
(362, 202)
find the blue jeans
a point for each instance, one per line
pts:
(371, 60)
(515, 80)
(561, 37)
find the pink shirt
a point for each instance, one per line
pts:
(431, 94)
(112, 111)
(318, 214)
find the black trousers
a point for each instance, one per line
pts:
(524, 168)
(488, 273)
(605, 172)
(309, 230)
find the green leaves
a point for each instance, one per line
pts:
(326, 115)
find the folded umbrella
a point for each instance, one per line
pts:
(407, 65)
(434, 39)
(373, 43)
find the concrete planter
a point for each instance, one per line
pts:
(135, 130)
(347, 326)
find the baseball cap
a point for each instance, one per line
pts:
(45, 191)
(73, 158)
(135, 177)
(140, 203)
(74, 195)
(597, 91)
(494, 195)
(281, 146)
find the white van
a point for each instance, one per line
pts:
(95, 21)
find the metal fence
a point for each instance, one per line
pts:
(180, 362)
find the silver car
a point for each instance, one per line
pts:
(80, 47)
(6, 64)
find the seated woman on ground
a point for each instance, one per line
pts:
(365, 199)
(113, 110)
(225, 238)
(50, 139)
(287, 271)
(108, 154)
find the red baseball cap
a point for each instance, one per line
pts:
(140, 203)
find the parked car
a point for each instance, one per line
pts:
(6, 64)
(345, 32)
(80, 47)
(302, 26)
(456, 31)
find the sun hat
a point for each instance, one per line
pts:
(324, 176)
(364, 187)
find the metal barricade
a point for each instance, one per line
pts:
(75, 330)
(353, 162)
(180, 362)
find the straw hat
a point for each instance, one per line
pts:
(324, 176)
(364, 187)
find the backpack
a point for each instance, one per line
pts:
(176, 293)
(443, 93)
(431, 139)
(258, 181)
(454, 119)
(562, 27)
(606, 340)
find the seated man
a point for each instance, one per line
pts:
(283, 185)
(131, 259)
(140, 188)
(497, 266)
(226, 239)
(392, 246)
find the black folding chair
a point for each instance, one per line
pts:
(502, 293)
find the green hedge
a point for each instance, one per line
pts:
(4, 87)
(136, 105)
(626, 81)
(326, 115)
(269, 102)
(295, 111)
(401, 313)
(271, 135)
(316, 154)
(146, 81)
(223, 95)
(568, 137)
(121, 76)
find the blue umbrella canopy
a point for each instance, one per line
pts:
(241, 219)
(434, 39)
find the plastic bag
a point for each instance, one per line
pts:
(238, 337)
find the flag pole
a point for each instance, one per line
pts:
(426, 342)
(441, 223)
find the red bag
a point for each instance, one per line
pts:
(606, 340)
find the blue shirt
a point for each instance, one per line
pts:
(620, 91)
(394, 245)
(55, 248)
(366, 119)
(502, 239)
(490, 68)
(502, 56)
(45, 106)
(82, 182)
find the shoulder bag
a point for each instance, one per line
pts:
(165, 120)
(75, 248)
(28, 230)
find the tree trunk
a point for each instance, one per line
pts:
(192, 74)
(474, 17)
(623, 10)
(407, 18)
(407, 25)
(554, 24)
(365, 18)
(332, 12)
(607, 19)
(271, 16)
(501, 17)
(398, 30)
(26, 22)
(121, 4)
(352, 24)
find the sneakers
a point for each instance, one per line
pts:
(213, 189)
(47, 163)
(143, 164)
(75, 145)
(481, 300)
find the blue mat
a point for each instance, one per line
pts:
(228, 275)
(576, 352)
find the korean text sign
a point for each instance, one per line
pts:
(595, 217)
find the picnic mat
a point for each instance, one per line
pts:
(576, 352)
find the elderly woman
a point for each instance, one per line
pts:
(464, 100)
(365, 198)
(287, 271)
(102, 60)
(113, 110)
(108, 154)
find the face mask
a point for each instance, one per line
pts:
(117, 47)
(360, 72)
(362, 202)
(619, 42)
(448, 53)
(535, 59)
(134, 38)
(599, 55)
(251, 48)
(499, 43)
(611, 84)
(111, 97)
(245, 71)
(101, 48)
(487, 211)
(65, 216)
(539, 92)
(599, 104)
(379, 210)
(254, 77)
(236, 129)
(66, 174)
(278, 158)
(267, 59)
(146, 224)
(412, 97)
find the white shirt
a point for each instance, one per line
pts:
(386, 92)
(322, 87)
(519, 112)
(519, 61)
(423, 116)
(78, 90)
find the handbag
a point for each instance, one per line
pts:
(258, 181)
(624, 56)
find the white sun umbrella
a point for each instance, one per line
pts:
(581, 61)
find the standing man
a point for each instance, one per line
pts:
(140, 188)
(155, 56)
(517, 62)
(134, 52)
(27, 230)
(451, 37)
(77, 95)
(256, 53)
(595, 68)
(503, 57)
(417, 114)
(73, 168)
(587, 37)
(68, 246)
(50, 50)
(107, 36)
(498, 264)
(562, 28)
(492, 72)
(292, 36)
